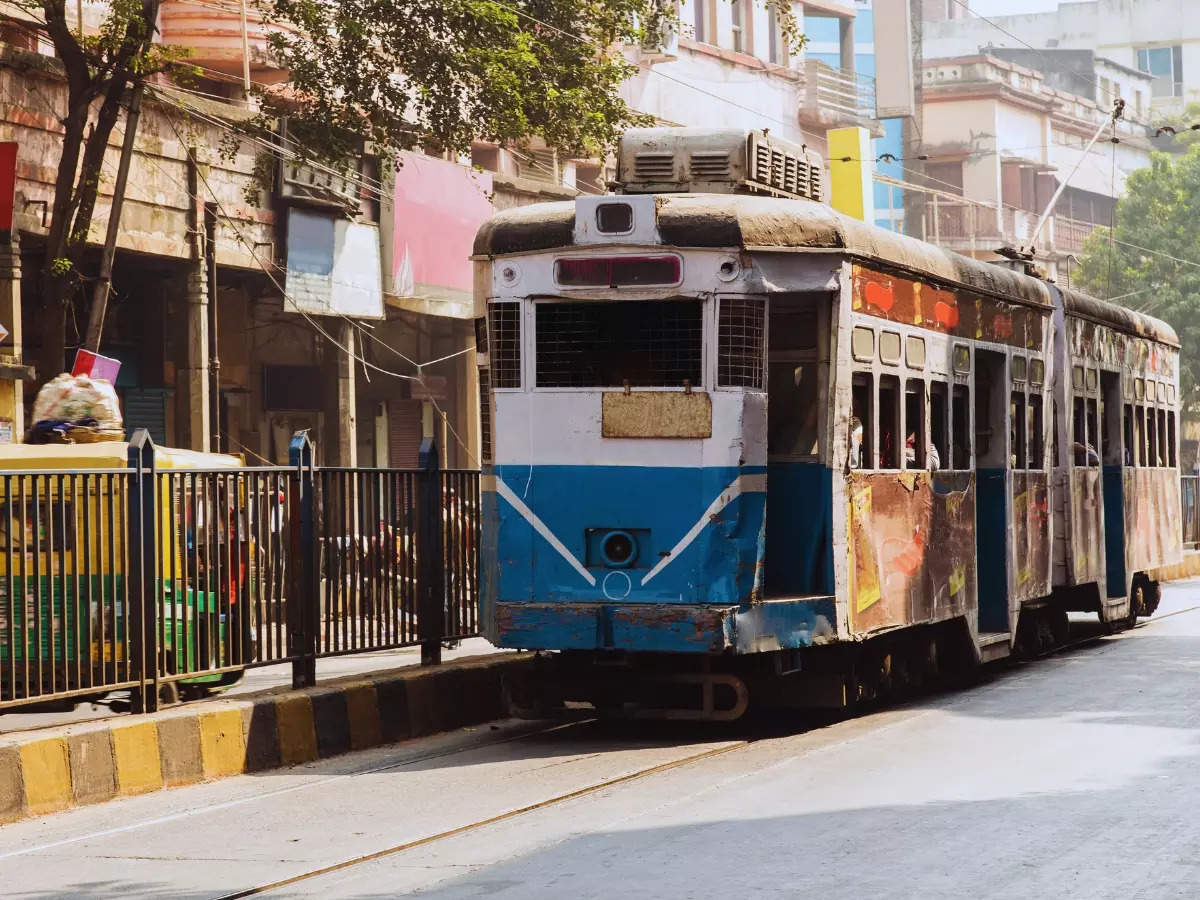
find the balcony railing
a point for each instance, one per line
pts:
(833, 95)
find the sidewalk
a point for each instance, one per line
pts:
(51, 768)
(255, 680)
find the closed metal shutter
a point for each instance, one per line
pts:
(404, 433)
(146, 408)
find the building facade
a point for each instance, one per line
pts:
(1000, 139)
(1158, 37)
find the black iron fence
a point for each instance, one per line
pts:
(172, 582)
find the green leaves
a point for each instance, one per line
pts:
(439, 74)
(1151, 260)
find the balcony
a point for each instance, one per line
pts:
(832, 97)
(212, 30)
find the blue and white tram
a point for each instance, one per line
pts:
(737, 443)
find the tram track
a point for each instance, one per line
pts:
(490, 820)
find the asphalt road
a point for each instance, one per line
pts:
(1074, 776)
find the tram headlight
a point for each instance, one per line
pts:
(619, 549)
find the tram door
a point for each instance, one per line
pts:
(992, 464)
(1112, 455)
(799, 551)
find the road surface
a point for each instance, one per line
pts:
(1074, 776)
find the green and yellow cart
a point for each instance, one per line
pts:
(65, 613)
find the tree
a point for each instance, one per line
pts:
(99, 70)
(501, 70)
(496, 70)
(1151, 261)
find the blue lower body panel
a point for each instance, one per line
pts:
(666, 627)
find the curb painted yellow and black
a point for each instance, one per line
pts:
(50, 770)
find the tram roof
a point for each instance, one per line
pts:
(769, 223)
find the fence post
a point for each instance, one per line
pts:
(303, 596)
(431, 608)
(141, 529)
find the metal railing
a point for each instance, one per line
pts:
(172, 582)
(839, 95)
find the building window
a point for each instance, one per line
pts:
(700, 8)
(773, 41)
(1166, 65)
(740, 26)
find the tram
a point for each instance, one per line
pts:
(741, 448)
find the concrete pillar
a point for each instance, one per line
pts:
(347, 398)
(851, 188)
(846, 33)
(193, 387)
(12, 386)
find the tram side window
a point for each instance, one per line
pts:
(915, 456)
(1152, 436)
(1037, 445)
(889, 422)
(961, 423)
(1162, 437)
(1017, 429)
(1139, 425)
(1091, 457)
(939, 421)
(1127, 428)
(1079, 432)
(861, 398)
(1171, 460)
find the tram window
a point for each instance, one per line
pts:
(1019, 367)
(1152, 436)
(1079, 432)
(861, 404)
(939, 420)
(1037, 372)
(889, 348)
(1162, 437)
(1092, 381)
(961, 423)
(1037, 446)
(504, 344)
(1017, 429)
(740, 342)
(1139, 388)
(889, 422)
(1162, 392)
(1139, 434)
(644, 343)
(862, 344)
(915, 351)
(915, 456)
(1171, 460)
(1127, 430)
(1091, 457)
(1077, 378)
(792, 409)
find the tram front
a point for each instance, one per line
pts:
(623, 416)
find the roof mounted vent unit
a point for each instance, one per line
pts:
(707, 161)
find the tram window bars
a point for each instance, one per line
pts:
(647, 343)
(740, 342)
(504, 344)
